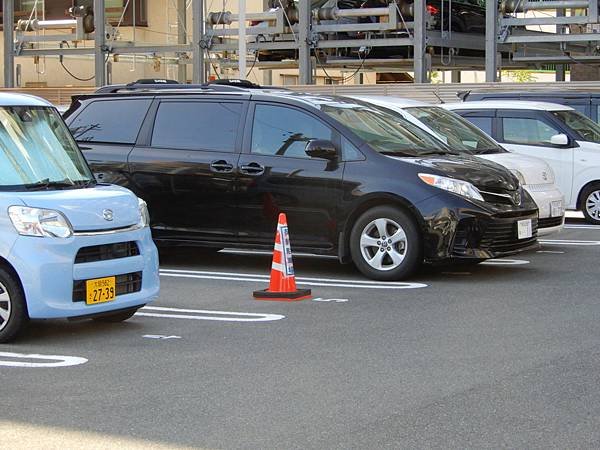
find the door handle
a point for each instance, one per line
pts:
(252, 169)
(221, 166)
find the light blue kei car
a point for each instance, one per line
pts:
(69, 247)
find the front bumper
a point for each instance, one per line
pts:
(459, 229)
(50, 278)
(544, 196)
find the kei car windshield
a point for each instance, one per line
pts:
(586, 128)
(37, 151)
(384, 131)
(458, 133)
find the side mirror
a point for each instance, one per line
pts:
(560, 140)
(320, 148)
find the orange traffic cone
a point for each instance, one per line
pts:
(283, 283)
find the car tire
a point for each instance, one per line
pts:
(394, 258)
(590, 203)
(13, 310)
(117, 317)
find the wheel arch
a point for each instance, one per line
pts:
(383, 199)
(579, 203)
(6, 265)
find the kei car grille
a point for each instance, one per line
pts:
(127, 283)
(107, 251)
(498, 236)
(549, 222)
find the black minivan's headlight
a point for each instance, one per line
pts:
(459, 187)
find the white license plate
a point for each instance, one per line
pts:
(524, 230)
(556, 209)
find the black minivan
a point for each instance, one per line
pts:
(217, 164)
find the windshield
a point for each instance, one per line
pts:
(586, 128)
(458, 133)
(37, 151)
(384, 131)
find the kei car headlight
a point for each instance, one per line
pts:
(39, 222)
(144, 214)
(459, 187)
(519, 176)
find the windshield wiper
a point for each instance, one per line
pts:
(398, 153)
(487, 151)
(86, 183)
(47, 184)
(438, 152)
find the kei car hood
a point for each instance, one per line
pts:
(479, 172)
(534, 170)
(89, 208)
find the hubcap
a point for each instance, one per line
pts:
(383, 244)
(5, 307)
(592, 205)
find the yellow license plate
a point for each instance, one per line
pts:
(100, 290)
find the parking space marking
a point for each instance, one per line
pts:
(58, 361)
(202, 314)
(267, 252)
(551, 252)
(505, 262)
(584, 227)
(568, 242)
(256, 278)
(160, 336)
(334, 300)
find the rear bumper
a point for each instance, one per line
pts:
(49, 279)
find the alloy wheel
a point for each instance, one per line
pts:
(383, 244)
(592, 204)
(5, 306)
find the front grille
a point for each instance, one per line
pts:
(502, 236)
(550, 222)
(497, 236)
(107, 251)
(492, 197)
(127, 283)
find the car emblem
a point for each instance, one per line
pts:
(517, 198)
(545, 176)
(107, 214)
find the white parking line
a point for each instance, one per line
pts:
(583, 227)
(202, 314)
(60, 361)
(568, 242)
(257, 278)
(505, 262)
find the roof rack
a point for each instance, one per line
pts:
(152, 84)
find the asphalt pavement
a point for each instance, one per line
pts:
(502, 354)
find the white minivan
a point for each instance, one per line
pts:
(563, 137)
(535, 175)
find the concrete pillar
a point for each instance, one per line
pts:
(420, 42)
(304, 30)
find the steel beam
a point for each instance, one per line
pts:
(304, 35)
(242, 39)
(491, 44)
(198, 71)
(99, 43)
(8, 19)
(551, 37)
(419, 42)
(181, 37)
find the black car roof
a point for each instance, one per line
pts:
(523, 94)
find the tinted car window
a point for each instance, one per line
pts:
(483, 123)
(197, 125)
(111, 121)
(281, 131)
(522, 130)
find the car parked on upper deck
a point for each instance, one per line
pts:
(535, 175)
(561, 136)
(217, 164)
(69, 247)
